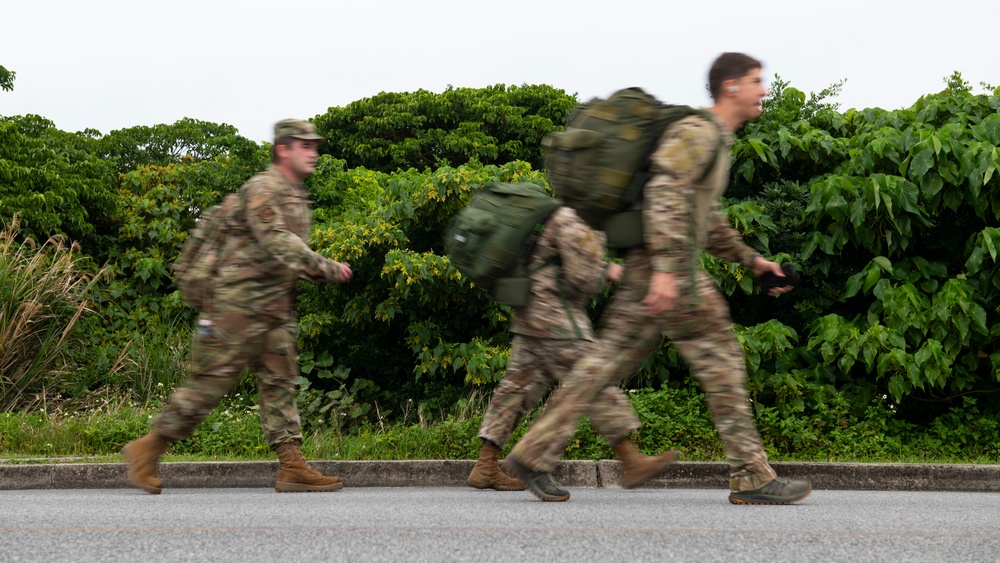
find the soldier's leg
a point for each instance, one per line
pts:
(524, 383)
(705, 340)
(522, 386)
(276, 372)
(217, 360)
(615, 420)
(610, 412)
(627, 338)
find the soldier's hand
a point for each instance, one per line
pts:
(662, 294)
(614, 272)
(762, 266)
(345, 273)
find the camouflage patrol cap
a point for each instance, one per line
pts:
(297, 128)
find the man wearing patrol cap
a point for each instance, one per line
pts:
(251, 322)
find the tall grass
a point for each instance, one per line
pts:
(156, 360)
(42, 295)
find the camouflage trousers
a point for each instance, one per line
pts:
(700, 327)
(236, 341)
(536, 365)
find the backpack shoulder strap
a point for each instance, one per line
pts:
(569, 312)
(232, 211)
(555, 261)
(707, 116)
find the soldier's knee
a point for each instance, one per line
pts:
(724, 387)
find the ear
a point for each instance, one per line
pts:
(281, 151)
(730, 86)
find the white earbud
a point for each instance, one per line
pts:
(733, 89)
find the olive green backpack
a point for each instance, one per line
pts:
(491, 240)
(599, 163)
(196, 270)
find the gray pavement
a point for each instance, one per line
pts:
(452, 473)
(416, 524)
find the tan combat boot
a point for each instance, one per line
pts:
(297, 477)
(638, 468)
(487, 473)
(142, 456)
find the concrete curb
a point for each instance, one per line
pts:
(453, 473)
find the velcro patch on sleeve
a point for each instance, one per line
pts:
(590, 244)
(266, 214)
(684, 150)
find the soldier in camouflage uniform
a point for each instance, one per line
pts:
(665, 292)
(549, 335)
(250, 319)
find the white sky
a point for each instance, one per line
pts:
(111, 64)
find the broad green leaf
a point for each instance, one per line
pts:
(987, 236)
(897, 388)
(853, 285)
(871, 278)
(979, 316)
(859, 213)
(836, 206)
(975, 259)
(762, 237)
(758, 148)
(930, 185)
(920, 163)
(883, 263)
(746, 170)
(878, 145)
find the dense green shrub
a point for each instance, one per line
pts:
(891, 216)
(398, 131)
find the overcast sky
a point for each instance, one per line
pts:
(108, 64)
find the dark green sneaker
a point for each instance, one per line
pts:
(542, 485)
(779, 491)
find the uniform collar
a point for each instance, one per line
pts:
(273, 171)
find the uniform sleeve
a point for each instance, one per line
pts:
(267, 225)
(726, 242)
(581, 251)
(678, 164)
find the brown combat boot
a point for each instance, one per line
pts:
(297, 477)
(638, 468)
(487, 473)
(142, 456)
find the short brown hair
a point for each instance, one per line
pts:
(729, 66)
(274, 148)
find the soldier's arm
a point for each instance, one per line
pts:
(726, 242)
(267, 225)
(678, 164)
(581, 250)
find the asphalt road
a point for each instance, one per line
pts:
(416, 524)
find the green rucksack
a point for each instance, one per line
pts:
(599, 163)
(491, 240)
(198, 266)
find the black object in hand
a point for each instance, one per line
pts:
(769, 280)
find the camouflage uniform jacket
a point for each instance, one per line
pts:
(682, 208)
(268, 250)
(568, 257)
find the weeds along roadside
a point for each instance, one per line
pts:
(671, 418)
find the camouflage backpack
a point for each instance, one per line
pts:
(197, 268)
(491, 240)
(599, 163)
